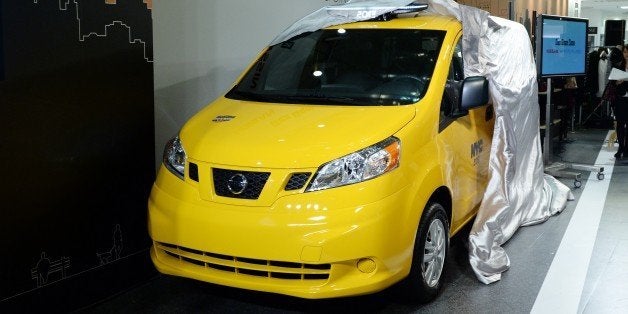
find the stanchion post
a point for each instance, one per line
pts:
(547, 146)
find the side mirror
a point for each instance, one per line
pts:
(474, 92)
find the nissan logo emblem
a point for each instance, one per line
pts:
(237, 184)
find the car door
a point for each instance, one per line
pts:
(464, 145)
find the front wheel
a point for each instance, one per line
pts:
(430, 251)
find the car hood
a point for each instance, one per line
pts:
(268, 135)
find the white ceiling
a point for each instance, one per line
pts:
(610, 6)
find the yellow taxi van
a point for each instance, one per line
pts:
(340, 163)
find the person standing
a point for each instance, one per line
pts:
(602, 72)
(619, 60)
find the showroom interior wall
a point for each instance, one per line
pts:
(77, 147)
(598, 17)
(524, 10)
(202, 46)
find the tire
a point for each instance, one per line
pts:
(427, 271)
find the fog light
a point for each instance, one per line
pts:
(366, 265)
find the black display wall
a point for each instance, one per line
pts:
(1, 47)
(77, 150)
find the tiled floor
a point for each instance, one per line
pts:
(531, 250)
(606, 289)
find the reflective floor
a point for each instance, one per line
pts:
(576, 262)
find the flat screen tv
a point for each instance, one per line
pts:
(561, 45)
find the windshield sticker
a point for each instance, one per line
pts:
(259, 68)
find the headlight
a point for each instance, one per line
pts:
(174, 157)
(360, 166)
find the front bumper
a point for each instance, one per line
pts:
(302, 245)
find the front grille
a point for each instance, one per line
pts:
(247, 266)
(297, 181)
(255, 183)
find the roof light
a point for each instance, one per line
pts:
(383, 13)
(411, 8)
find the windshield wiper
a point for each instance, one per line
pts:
(241, 95)
(310, 98)
(327, 99)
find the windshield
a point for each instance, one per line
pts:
(367, 67)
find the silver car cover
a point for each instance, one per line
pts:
(518, 192)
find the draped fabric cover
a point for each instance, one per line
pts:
(519, 193)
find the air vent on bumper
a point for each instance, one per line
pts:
(193, 171)
(247, 266)
(297, 181)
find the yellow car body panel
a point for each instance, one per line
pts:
(347, 240)
(287, 126)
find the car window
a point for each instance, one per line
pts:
(457, 63)
(451, 95)
(345, 66)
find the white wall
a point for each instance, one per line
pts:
(201, 46)
(599, 12)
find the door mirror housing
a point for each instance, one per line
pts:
(474, 93)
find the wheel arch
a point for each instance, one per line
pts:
(442, 195)
(432, 188)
